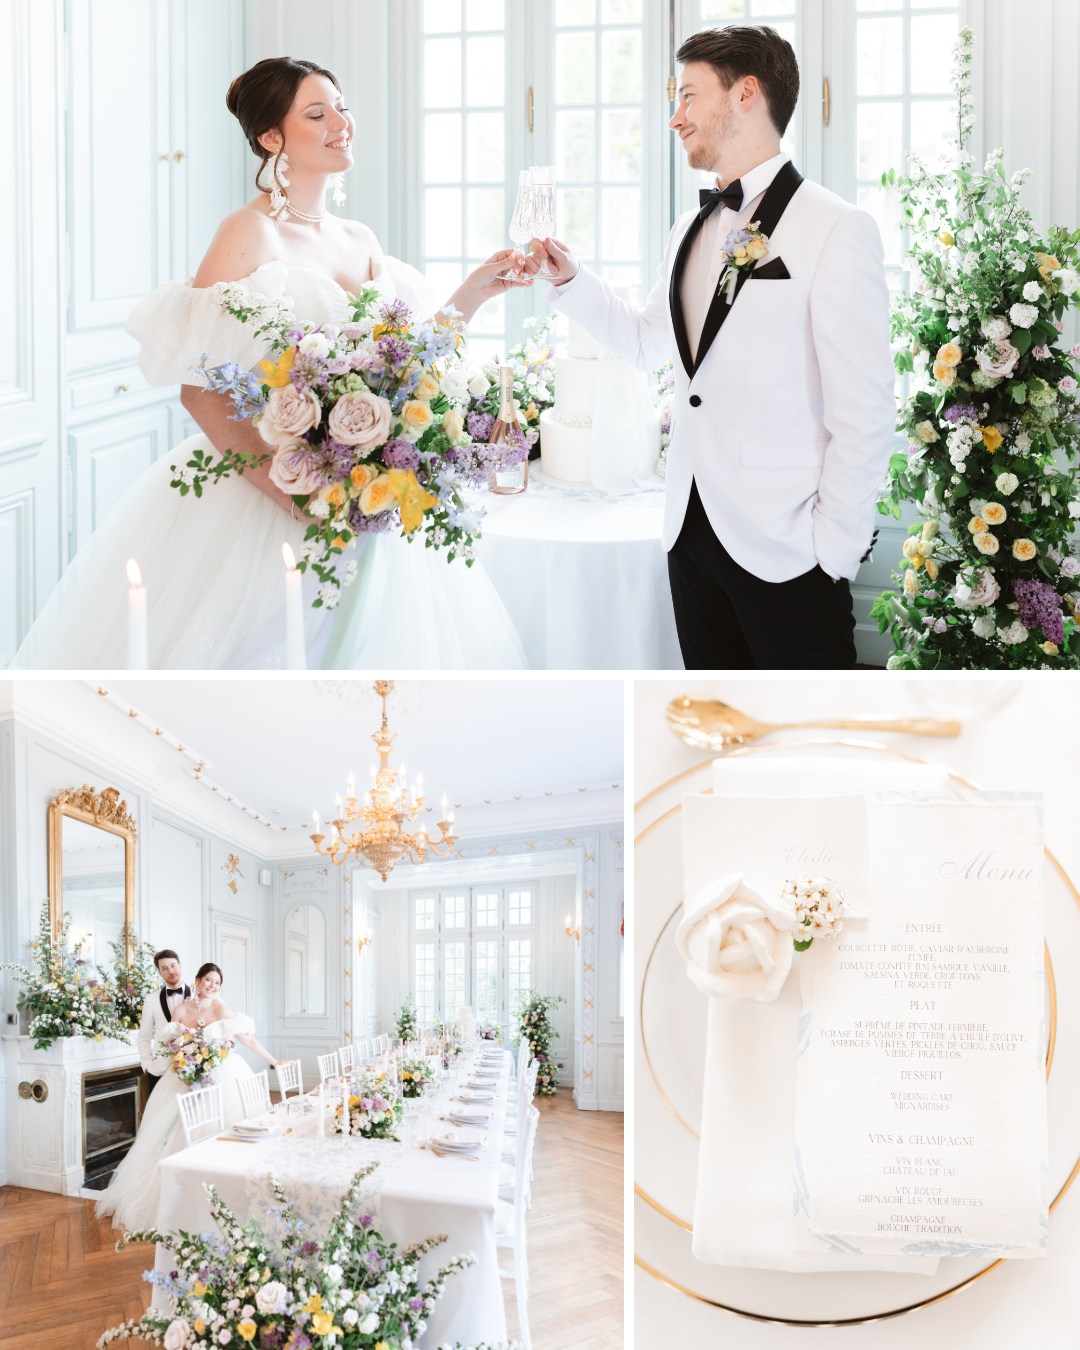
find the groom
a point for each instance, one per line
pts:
(157, 1013)
(784, 407)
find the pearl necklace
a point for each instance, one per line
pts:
(303, 215)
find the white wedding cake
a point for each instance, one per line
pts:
(603, 428)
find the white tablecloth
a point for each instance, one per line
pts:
(415, 1194)
(583, 575)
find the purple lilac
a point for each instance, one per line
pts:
(1040, 607)
(401, 454)
(416, 1304)
(361, 524)
(308, 1248)
(479, 425)
(366, 1220)
(374, 1262)
(959, 412)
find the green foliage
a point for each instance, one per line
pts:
(535, 1025)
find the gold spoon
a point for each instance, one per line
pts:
(709, 724)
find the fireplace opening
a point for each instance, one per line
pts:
(112, 1109)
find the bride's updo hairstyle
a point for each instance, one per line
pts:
(205, 969)
(260, 99)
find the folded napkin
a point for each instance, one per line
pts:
(255, 1126)
(469, 1117)
(456, 1142)
(475, 1099)
(744, 1213)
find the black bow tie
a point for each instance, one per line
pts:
(731, 196)
(174, 993)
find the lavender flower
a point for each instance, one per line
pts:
(479, 425)
(374, 1262)
(308, 1248)
(1040, 607)
(960, 412)
(380, 524)
(400, 454)
(395, 313)
(393, 351)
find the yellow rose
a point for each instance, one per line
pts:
(1047, 264)
(950, 354)
(992, 438)
(1023, 550)
(247, 1330)
(917, 560)
(911, 547)
(976, 524)
(931, 569)
(911, 584)
(427, 386)
(453, 423)
(930, 529)
(987, 543)
(361, 475)
(200, 1326)
(532, 412)
(741, 254)
(416, 417)
(336, 495)
(944, 374)
(377, 496)
(1050, 648)
(994, 513)
(926, 431)
(946, 238)
(757, 248)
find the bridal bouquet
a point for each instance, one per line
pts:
(282, 1288)
(416, 1074)
(374, 1107)
(365, 423)
(987, 577)
(191, 1056)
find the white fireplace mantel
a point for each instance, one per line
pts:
(45, 1139)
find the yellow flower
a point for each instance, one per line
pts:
(741, 255)
(427, 386)
(381, 330)
(944, 374)
(453, 423)
(416, 417)
(412, 499)
(248, 1330)
(276, 373)
(200, 1326)
(987, 543)
(949, 354)
(361, 475)
(757, 248)
(322, 1323)
(336, 495)
(340, 542)
(930, 529)
(200, 1289)
(1023, 550)
(911, 547)
(313, 1305)
(917, 561)
(992, 438)
(976, 524)
(994, 513)
(1047, 264)
(1050, 648)
(931, 569)
(911, 584)
(532, 413)
(377, 496)
(927, 432)
(381, 1345)
(946, 238)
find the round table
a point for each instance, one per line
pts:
(583, 574)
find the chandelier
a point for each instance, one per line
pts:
(373, 828)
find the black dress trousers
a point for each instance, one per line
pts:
(729, 619)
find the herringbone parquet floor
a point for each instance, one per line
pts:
(62, 1283)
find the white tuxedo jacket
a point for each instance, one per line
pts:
(151, 1029)
(786, 421)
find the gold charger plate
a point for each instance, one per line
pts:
(757, 1280)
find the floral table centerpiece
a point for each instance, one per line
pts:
(374, 1108)
(536, 1028)
(416, 1075)
(353, 1289)
(406, 1024)
(987, 577)
(533, 364)
(64, 996)
(488, 1031)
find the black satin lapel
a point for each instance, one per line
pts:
(165, 1003)
(773, 205)
(678, 319)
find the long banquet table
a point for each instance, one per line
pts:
(414, 1194)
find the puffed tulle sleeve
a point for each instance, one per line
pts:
(238, 1025)
(179, 323)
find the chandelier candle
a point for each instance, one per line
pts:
(295, 652)
(374, 829)
(516, 478)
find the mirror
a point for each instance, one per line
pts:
(305, 961)
(92, 868)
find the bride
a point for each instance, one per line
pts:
(212, 566)
(132, 1194)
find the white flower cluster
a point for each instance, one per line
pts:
(818, 905)
(960, 442)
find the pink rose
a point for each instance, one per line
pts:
(998, 359)
(290, 470)
(984, 592)
(361, 419)
(1074, 352)
(1070, 567)
(289, 412)
(1067, 385)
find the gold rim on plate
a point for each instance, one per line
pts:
(663, 1211)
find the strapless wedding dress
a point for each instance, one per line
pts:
(212, 566)
(132, 1195)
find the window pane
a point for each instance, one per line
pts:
(928, 124)
(622, 223)
(424, 912)
(486, 85)
(486, 991)
(621, 11)
(487, 221)
(621, 145)
(575, 146)
(444, 278)
(884, 206)
(442, 16)
(454, 998)
(442, 147)
(454, 911)
(575, 68)
(442, 222)
(487, 147)
(880, 138)
(487, 909)
(767, 9)
(868, 5)
(932, 42)
(577, 220)
(442, 73)
(490, 319)
(424, 981)
(518, 973)
(622, 67)
(484, 14)
(574, 13)
(519, 906)
(880, 56)
(715, 11)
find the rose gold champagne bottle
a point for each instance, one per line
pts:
(515, 478)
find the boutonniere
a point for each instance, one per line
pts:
(743, 250)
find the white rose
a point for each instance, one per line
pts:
(289, 412)
(455, 383)
(1007, 483)
(984, 591)
(177, 1334)
(350, 1317)
(369, 1325)
(1023, 316)
(479, 384)
(737, 943)
(315, 344)
(272, 1297)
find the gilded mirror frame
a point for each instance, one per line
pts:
(107, 811)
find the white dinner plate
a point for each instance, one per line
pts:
(670, 1049)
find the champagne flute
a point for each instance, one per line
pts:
(521, 230)
(543, 213)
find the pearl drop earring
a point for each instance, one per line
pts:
(278, 200)
(337, 189)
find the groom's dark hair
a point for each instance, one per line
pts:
(740, 50)
(166, 954)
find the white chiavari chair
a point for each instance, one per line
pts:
(328, 1066)
(254, 1094)
(526, 1090)
(201, 1113)
(346, 1058)
(289, 1078)
(510, 1226)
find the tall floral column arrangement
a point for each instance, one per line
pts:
(987, 577)
(536, 1028)
(134, 980)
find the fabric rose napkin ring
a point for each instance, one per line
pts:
(738, 943)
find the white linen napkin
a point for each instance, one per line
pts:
(744, 1211)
